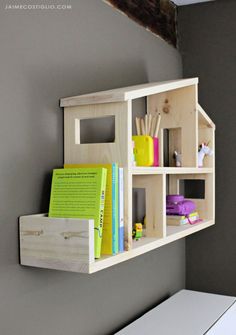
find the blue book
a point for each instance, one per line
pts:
(121, 210)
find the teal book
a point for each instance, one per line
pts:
(80, 193)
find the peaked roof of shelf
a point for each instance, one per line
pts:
(204, 119)
(127, 93)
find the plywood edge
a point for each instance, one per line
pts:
(160, 87)
(182, 231)
(127, 93)
(206, 118)
(93, 98)
(56, 264)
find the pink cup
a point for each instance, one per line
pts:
(156, 151)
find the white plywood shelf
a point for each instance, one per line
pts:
(147, 244)
(188, 126)
(187, 229)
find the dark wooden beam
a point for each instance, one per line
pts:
(158, 16)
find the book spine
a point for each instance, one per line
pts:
(191, 219)
(101, 213)
(121, 210)
(114, 208)
(186, 220)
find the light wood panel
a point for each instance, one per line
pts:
(175, 144)
(203, 119)
(126, 93)
(206, 134)
(178, 109)
(63, 244)
(155, 187)
(119, 152)
(98, 152)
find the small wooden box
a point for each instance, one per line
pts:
(56, 243)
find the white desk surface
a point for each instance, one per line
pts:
(226, 325)
(185, 313)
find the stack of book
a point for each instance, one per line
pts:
(178, 220)
(92, 191)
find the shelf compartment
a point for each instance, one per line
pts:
(55, 243)
(154, 186)
(205, 205)
(179, 117)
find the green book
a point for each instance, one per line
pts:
(80, 193)
(110, 222)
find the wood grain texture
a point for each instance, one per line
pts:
(63, 244)
(203, 119)
(119, 152)
(155, 186)
(206, 134)
(178, 109)
(205, 207)
(175, 144)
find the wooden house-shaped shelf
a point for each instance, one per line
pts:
(50, 243)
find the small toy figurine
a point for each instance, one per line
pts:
(203, 150)
(177, 157)
(137, 231)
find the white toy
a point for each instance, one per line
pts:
(178, 159)
(204, 149)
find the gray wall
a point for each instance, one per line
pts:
(207, 33)
(46, 55)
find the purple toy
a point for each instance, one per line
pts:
(177, 205)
